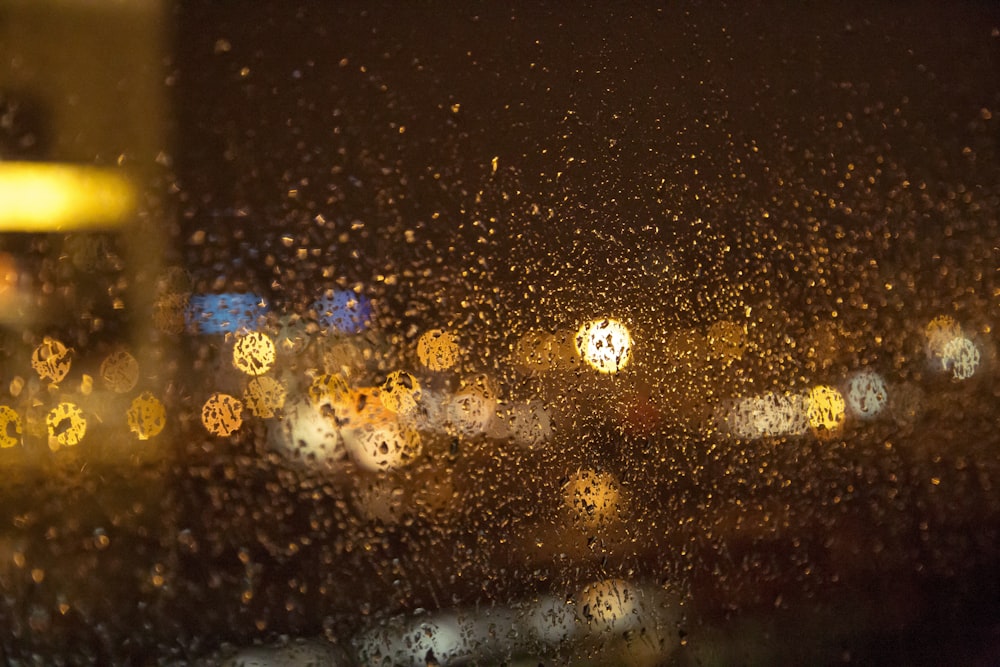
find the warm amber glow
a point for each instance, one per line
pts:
(66, 425)
(400, 392)
(43, 197)
(52, 360)
(437, 350)
(10, 427)
(826, 409)
(254, 353)
(222, 414)
(120, 371)
(606, 345)
(264, 396)
(146, 416)
(592, 497)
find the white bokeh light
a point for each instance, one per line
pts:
(605, 344)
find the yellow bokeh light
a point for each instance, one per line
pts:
(400, 392)
(329, 388)
(592, 497)
(826, 409)
(120, 371)
(437, 350)
(222, 414)
(605, 344)
(146, 416)
(66, 425)
(264, 396)
(51, 360)
(611, 605)
(10, 427)
(41, 197)
(254, 353)
(939, 332)
(384, 447)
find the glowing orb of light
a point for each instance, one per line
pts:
(592, 497)
(610, 606)
(400, 393)
(606, 345)
(146, 416)
(939, 332)
(253, 353)
(222, 414)
(437, 350)
(66, 425)
(264, 396)
(120, 371)
(329, 389)
(10, 427)
(52, 360)
(769, 415)
(230, 312)
(826, 409)
(867, 394)
(382, 447)
(307, 433)
(961, 356)
(343, 311)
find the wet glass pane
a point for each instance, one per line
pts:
(512, 334)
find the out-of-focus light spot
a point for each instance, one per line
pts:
(867, 394)
(593, 498)
(382, 447)
(231, 312)
(610, 606)
(308, 434)
(826, 409)
(343, 311)
(120, 371)
(146, 416)
(51, 360)
(471, 411)
(264, 396)
(66, 426)
(10, 427)
(222, 414)
(606, 345)
(329, 388)
(400, 392)
(769, 415)
(939, 332)
(437, 350)
(253, 353)
(552, 621)
(727, 340)
(961, 356)
(47, 197)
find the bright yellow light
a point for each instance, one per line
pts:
(10, 427)
(222, 414)
(438, 350)
(66, 425)
(605, 345)
(146, 416)
(401, 392)
(827, 409)
(43, 197)
(254, 353)
(264, 396)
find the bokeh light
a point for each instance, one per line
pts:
(343, 311)
(254, 353)
(867, 394)
(960, 356)
(382, 447)
(66, 425)
(400, 392)
(10, 427)
(605, 345)
(826, 409)
(610, 606)
(146, 416)
(230, 312)
(437, 350)
(264, 396)
(307, 434)
(222, 414)
(120, 371)
(52, 360)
